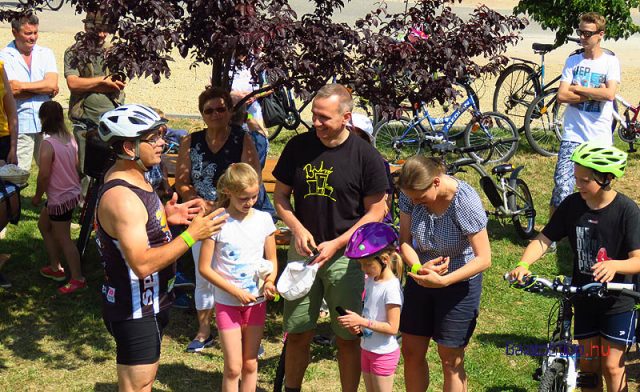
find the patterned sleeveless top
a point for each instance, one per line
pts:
(207, 167)
(125, 296)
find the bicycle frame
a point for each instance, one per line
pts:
(627, 121)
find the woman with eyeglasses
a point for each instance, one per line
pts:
(203, 157)
(443, 239)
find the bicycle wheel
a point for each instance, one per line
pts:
(394, 142)
(86, 218)
(491, 128)
(275, 133)
(552, 379)
(516, 87)
(521, 200)
(543, 123)
(55, 5)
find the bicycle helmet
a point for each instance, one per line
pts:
(363, 123)
(603, 159)
(370, 239)
(129, 122)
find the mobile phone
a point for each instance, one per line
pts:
(313, 257)
(343, 312)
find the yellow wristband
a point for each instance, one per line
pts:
(523, 264)
(187, 238)
(415, 268)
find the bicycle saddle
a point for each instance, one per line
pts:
(542, 47)
(502, 169)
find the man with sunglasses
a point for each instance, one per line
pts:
(92, 92)
(588, 85)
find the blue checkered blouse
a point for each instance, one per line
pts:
(446, 235)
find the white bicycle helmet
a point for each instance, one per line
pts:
(129, 122)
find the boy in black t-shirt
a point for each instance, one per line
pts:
(603, 229)
(338, 183)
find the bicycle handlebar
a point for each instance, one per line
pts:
(534, 281)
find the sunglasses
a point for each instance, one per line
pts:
(209, 111)
(154, 140)
(586, 33)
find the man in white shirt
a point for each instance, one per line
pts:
(33, 76)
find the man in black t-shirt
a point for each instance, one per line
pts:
(338, 183)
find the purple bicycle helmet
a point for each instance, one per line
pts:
(370, 239)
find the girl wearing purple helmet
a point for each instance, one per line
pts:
(374, 246)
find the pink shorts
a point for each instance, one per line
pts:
(230, 317)
(379, 364)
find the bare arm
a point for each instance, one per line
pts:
(124, 217)
(46, 155)
(282, 200)
(270, 253)
(97, 84)
(46, 86)
(9, 105)
(250, 155)
(568, 93)
(355, 322)
(532, 253)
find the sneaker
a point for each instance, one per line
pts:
(48, 272)
(182, 301)
(72, 286)
(4, 283)
(182, 281)
(197, 345)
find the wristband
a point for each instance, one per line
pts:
(370, 323)
(187, 238)
(523, 264)
(415, 268)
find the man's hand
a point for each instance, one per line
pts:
(204, 226)
(183, 213)
(327, 250)
(113, 85)
(16, 87)
(303, 239)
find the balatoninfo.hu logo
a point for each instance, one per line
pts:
(568, 350)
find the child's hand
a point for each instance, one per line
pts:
(519, 273)
(36, 200)
(355, 330)
(351, 320)
(604, 271)
(269, 290)
(244, 296)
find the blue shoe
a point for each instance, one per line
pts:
(196, 345)
(182, 301)
(182, 281)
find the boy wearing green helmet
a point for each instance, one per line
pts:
(603, 229)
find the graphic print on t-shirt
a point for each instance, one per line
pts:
(587, 248)
(317, 179)
(161, 218)
(582, 76)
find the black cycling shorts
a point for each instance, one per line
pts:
(138, 341)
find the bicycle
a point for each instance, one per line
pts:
(559, 369)
(53, 5)
(628, 128)
(509, 195)
(402, 138)
(521, 82)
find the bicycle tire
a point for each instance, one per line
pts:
(524, 223)
(274, 134)
(543, 123)
(492, 127)
(55, 5)
(388, 139)
(86, 218)
(552, 379)
(517, 86)
(278, 379)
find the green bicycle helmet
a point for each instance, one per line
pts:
(603, 159)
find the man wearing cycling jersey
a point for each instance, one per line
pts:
(603, 229)
(136, 246)
(588, 85)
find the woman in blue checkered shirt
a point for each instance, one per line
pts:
(444, 240)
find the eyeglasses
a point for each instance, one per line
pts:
(154, 140)
(209, 111)
(586, 33)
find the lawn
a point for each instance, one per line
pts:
(54, 343)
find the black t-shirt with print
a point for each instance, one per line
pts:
(329, 184)
(616, 228)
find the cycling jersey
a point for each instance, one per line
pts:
(125, 296)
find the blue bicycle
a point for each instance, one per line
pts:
(402, 138)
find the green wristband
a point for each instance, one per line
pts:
(523, 264)
(415, 268)
(187, 238)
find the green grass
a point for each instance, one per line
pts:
(54, 343)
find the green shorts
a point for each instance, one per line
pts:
(341, 283)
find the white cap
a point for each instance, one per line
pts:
(296, 280)
(362, 122)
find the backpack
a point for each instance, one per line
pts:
(10, 207)
(278, 109)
